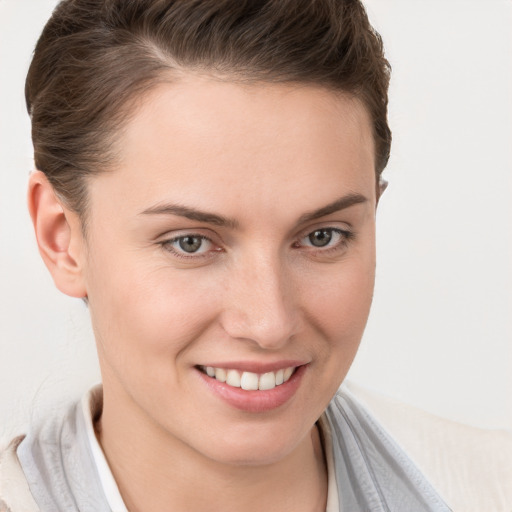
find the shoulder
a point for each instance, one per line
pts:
(470, 467)
(15, 495)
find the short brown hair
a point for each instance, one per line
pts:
(95, 57)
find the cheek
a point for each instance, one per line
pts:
(337, 312)
(342, 298)
(142, 315)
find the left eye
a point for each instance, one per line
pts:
(325, 237)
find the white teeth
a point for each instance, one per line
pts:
(220, 374)
(267, 381)
(233, 378)
(248, 380)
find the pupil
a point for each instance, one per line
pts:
(320, 238)
(190, 243)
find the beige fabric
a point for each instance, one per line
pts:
(324, 428)
(470, 467)
(15, 495)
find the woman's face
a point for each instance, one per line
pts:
(234, 239)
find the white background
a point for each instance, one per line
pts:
(440, 334)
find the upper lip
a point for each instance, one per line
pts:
(256, 366)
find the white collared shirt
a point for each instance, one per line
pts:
(114, 499)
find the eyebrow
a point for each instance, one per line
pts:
(192, 214)
(219, 220)
(335, 206)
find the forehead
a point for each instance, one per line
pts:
(205, 135)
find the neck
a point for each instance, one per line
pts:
(159, 471)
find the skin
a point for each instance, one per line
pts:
(263, 156)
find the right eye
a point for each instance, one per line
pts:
(189, 246)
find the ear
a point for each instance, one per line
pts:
(59, 236)
(381, 188)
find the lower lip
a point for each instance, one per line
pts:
(255, 401)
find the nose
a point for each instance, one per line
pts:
(260, 304)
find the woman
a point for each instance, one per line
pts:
(208, 177)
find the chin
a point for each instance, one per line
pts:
(256, 446)
(251, 455)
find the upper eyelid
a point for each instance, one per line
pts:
(344, 233)
(311, 226)
(176, 234)
(198, 235)
(346, 228)
(186, 235)
(327, 228)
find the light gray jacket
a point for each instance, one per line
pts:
(52, 469)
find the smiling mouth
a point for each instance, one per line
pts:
(249, 381)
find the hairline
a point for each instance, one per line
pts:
(172, 75)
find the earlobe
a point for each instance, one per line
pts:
(58, 235)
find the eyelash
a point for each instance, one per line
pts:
(346, 238)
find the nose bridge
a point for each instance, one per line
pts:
(260, 304)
